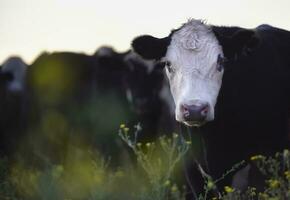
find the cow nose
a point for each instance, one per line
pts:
(196, 112)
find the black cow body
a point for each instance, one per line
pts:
(253, 104)
(12, 108)
(252, 110)
(81, 99)
(141, 83)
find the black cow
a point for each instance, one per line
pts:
(92, 95)
(12, 120)
(142, 83)
(230, 82)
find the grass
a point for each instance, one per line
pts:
(86, 175)
(158, 161)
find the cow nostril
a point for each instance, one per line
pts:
(195, 112)
(204, 110)
(185, 110)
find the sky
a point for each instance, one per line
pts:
(29, 27)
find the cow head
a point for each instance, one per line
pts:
(135, 77)
(143, 81)
(194, 58)
(16, 67)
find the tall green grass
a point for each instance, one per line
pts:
(85, 174)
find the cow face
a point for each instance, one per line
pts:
(194, 60)
(143, 84)
(17, 68)
(193, 66)
(135, 77)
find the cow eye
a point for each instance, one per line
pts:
(220, 62)
(168, 66)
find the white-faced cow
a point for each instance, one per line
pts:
(232, 82)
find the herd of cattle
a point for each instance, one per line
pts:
(118, 87)
(244, 114)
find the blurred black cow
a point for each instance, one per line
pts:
(143, 84)
(77, 99)
(12, 120)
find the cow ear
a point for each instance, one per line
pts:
(242, 42)
(149, 47)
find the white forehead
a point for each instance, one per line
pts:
(193, 44)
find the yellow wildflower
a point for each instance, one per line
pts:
(257, 157)
(263, 195)
(174, 188)
(148, 144)
(188, 142)
(122, 126)
(167, 183)
(229, 189)
(210, 185)
(286, 153)
(253, 191)
(273, 183)
(287, 174)
(126, 129)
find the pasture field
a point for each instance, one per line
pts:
(148, 171)
(101, 127)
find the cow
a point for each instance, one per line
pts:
(59, 86)
(17, 67)
(94, 94)
(12, 90)
(232, 84)
(142, 82)
(60, 76)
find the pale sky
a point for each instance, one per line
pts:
(28, 27)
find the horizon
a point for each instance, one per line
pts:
(30, 27)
